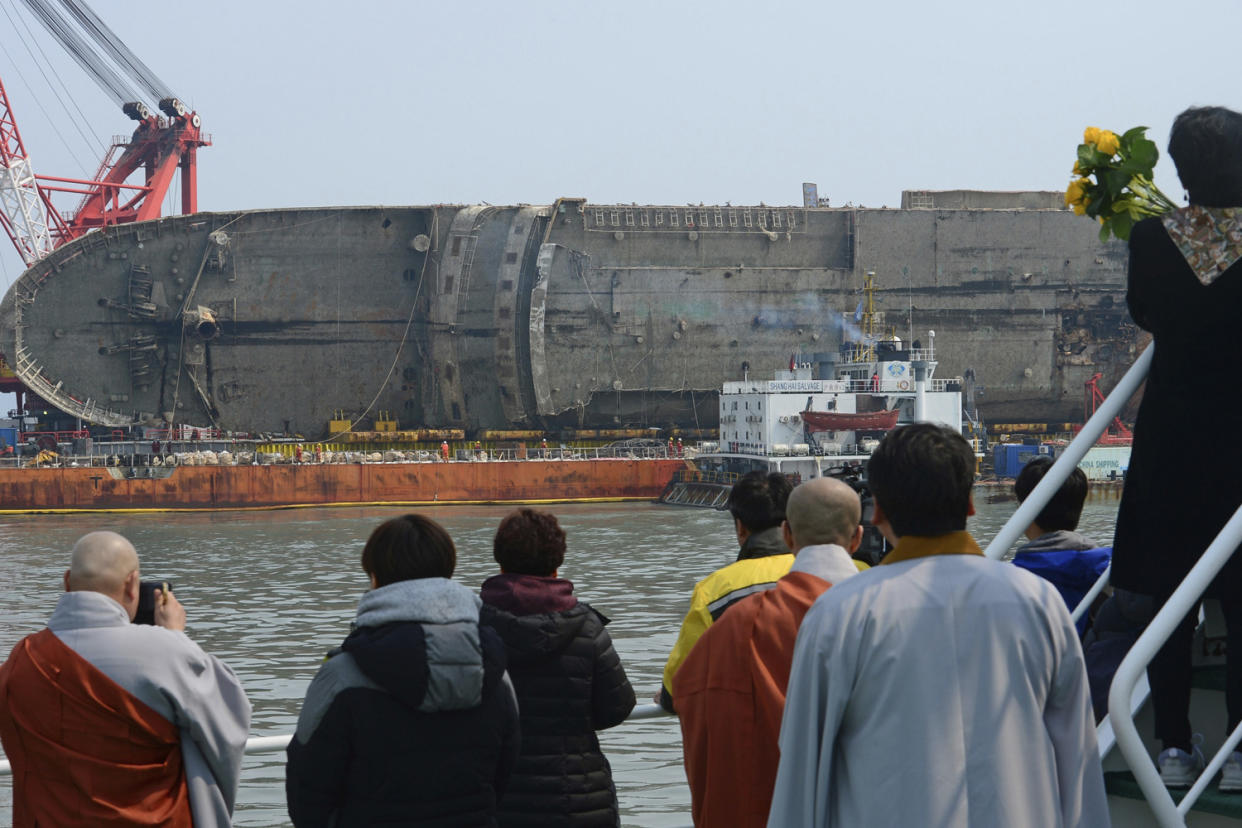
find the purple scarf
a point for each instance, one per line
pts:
(528, 594)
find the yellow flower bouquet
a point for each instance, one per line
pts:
(1114, 180)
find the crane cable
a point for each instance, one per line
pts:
(94, 143)
(138, 71)
(38, 98)
(108, 78)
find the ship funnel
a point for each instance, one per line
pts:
(825, 364)
(920, 390)
(201, 322)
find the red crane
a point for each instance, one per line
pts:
(1118, 433)
(161, 146)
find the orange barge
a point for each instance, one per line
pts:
(69, 489)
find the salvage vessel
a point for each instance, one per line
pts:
(824, 414)
(563, 316)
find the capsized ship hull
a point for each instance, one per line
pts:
(413, 484)
(546, 317)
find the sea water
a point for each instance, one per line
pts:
(270, 592)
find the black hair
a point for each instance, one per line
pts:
(921, 476)
(529, 543)
(758, 500)
(407, 548)
(1205, 144)
(1065, 507)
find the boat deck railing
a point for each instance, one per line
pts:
(275, 744)
(853, 452)
(1129, 687)
(138, 454)
(704, 476)
(888, 385)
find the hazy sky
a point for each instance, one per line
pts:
(317, 103)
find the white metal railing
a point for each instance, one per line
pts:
(1183, 600)
(1105, 736)
(1069, 459)
(272, 744)
(1049, 485)
(136, 452)
(883, 385)
(1092, 594)
(1129, 687)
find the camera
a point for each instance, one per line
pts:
(873, 547)
(146, 600)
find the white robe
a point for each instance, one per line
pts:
(940, 691)
(171, 674)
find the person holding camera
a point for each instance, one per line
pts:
(110, 722)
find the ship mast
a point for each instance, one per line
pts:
(864, 350)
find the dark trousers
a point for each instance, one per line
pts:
(1169, 676)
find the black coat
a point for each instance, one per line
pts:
(410, 723)
(570, 683)
(1183, 481)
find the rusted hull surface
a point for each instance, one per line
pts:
(244, 487)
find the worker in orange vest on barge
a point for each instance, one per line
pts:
(111, 723)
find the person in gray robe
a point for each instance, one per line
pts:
(939, 687)
(158, 665)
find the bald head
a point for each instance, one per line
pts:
(823, 510)
(102, 562)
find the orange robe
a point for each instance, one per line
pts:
(84, 751)
(730, 695)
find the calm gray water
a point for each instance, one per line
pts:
(270, 592)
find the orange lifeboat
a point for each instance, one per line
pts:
(882, 420)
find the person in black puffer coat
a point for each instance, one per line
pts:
(569, 680)
(412, 721)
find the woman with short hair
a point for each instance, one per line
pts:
(411, 720)
(569, 680)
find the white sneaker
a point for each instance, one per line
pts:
(1179, 769)
(1231, 776)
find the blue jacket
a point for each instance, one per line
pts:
(1069, 561)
